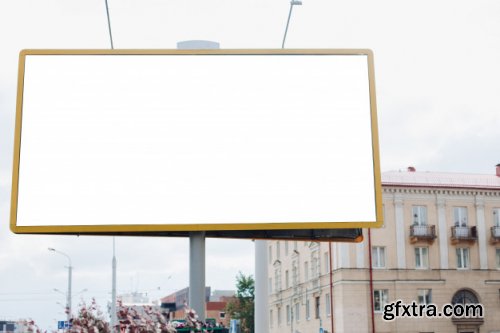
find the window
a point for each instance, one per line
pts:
(497, 251)
(286, 248)
(462, 258)
(421, 257)
(278, 250)
(288, 314)
(297, 311)
(270, 285)
(419, 215)
(424, 296)
(308, 310)
(287, 279)
(222, 315)
(328, 305)
(460, 216)
(279, 316)
(315, 269)
(496, 217)
(316, 307)
(271, 318)
(380, 297)
(378, 256)
(295, 273)
(464, 296)
(306, 271)
(327, 262)
(277, 279)
(270, 253)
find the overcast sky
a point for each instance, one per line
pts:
(436, 72)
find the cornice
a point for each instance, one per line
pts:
(396, 190)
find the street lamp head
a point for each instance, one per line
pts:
(296, 2)
(51, 249)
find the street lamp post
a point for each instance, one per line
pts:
(70, 269)
(292, 3)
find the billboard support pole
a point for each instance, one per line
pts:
(197, 239)
(197, 273)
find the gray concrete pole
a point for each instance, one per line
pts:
(197, 239)
(197, 273)
(261, 292)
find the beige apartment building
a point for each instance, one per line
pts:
(440, 244)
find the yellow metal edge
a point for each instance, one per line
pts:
(82, 229)
(194, 52)
(17, 142)
(375, 144)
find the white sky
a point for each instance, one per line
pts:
(436, 71)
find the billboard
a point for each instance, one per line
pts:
(171, 141)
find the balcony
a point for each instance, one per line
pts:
(463, 234)
(495, 235)
(425, 233)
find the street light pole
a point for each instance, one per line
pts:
(70, 271)
(292, 3)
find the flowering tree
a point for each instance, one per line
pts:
(29, 326)
(90, 319)
(142, 320)
(192, 319)
(131, 319)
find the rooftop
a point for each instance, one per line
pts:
(413, 178)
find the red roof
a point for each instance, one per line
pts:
(440, 179)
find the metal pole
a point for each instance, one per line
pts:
(371, 279)
(113, 261)
(292, 3)
(331, 285)
(197, 273)
(287, 23)
(113, 291)
(261, 292)
(70, 271)
(109, 24)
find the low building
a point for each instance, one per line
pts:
(215, 304)
(7, 326)
(440, 244)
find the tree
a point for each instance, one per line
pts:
(242, 307)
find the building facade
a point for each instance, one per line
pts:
(440, 244)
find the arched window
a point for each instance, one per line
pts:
(464, 296)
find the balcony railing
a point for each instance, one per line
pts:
(422, 232)
(495, 234)
(468, 234)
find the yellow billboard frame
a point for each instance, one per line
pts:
(166, 228)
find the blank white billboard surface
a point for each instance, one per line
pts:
(159, 141)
